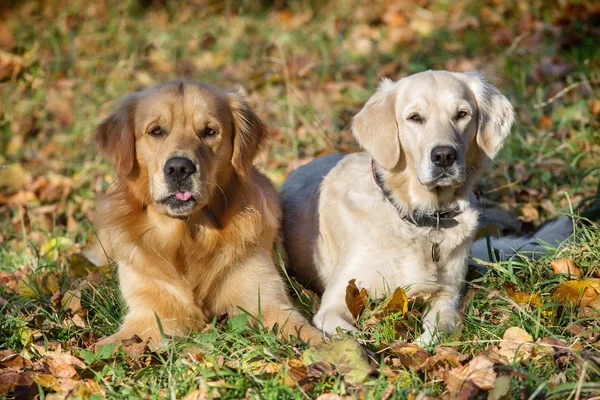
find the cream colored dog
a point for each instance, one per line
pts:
(398, 214)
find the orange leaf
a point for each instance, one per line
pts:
(566, 266)
(522, 297)
(356, 300)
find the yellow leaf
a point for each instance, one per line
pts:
(46, 283)
(13, 178)
(581, 292)
(522, 297)
(397, 303)
(47, 381)
(56, 243)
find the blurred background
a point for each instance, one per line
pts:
(308, 67)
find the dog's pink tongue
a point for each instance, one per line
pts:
(183, 195)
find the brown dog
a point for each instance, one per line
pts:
(190, 222)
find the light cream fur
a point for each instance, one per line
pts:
(188, 264)
(338, 225)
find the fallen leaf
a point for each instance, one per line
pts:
(594, 106)
(530, 213)
(464, 381)
(13, 178)
(47, 381)
(567, 267)
(350, 359)
(545, 123)
(135, 346)
(443, 359)
(8, 380)
(501, 390)
(356, 300)
(516, 344)
(397, 303)
(320, 369)
(534, 299)
(409, 355)
(332, 396)
(46, 283)
(10, 65)
(60, 369)
(581, 292)
(55, 244)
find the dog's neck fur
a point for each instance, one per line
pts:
(409, 196)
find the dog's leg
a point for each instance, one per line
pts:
(441, 317)
(147, 298)
(443, 314)
(257, 283)
(333, 312)
(290, 323)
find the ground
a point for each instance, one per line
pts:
(530, 329)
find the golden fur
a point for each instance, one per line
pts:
(189, 260)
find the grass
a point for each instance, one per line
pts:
(308, 68)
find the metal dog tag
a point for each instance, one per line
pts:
(435, 252)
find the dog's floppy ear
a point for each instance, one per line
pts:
(496, 115)
(250, 133)
(115, 137)
(375, 126)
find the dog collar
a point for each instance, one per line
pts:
(437, 219)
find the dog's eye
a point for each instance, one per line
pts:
(156, 131)
(415, 118)
(208, 132)
(461, 114)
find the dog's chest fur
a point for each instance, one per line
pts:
(381, 250)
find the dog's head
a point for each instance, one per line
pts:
(178, 143)
(442, 124)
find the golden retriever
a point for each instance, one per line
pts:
(398, 214)
(190, 221)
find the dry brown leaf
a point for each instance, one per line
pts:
(581, 292)
(332, 396)
(60, 369)
(522, 297)
(516, 344)
(356, 300)
(530, 213)
(468, 379)
(10, 65)
(8, 380)
(567, 267)
(410, 355)
(594, 106)
(135, 346)
(443, 359)
(10, 359)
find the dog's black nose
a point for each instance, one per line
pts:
(443, 156)
(179, 168)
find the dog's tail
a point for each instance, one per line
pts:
(549, 235)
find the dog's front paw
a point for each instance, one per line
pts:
(329, 322)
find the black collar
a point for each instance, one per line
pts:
(438, 219)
